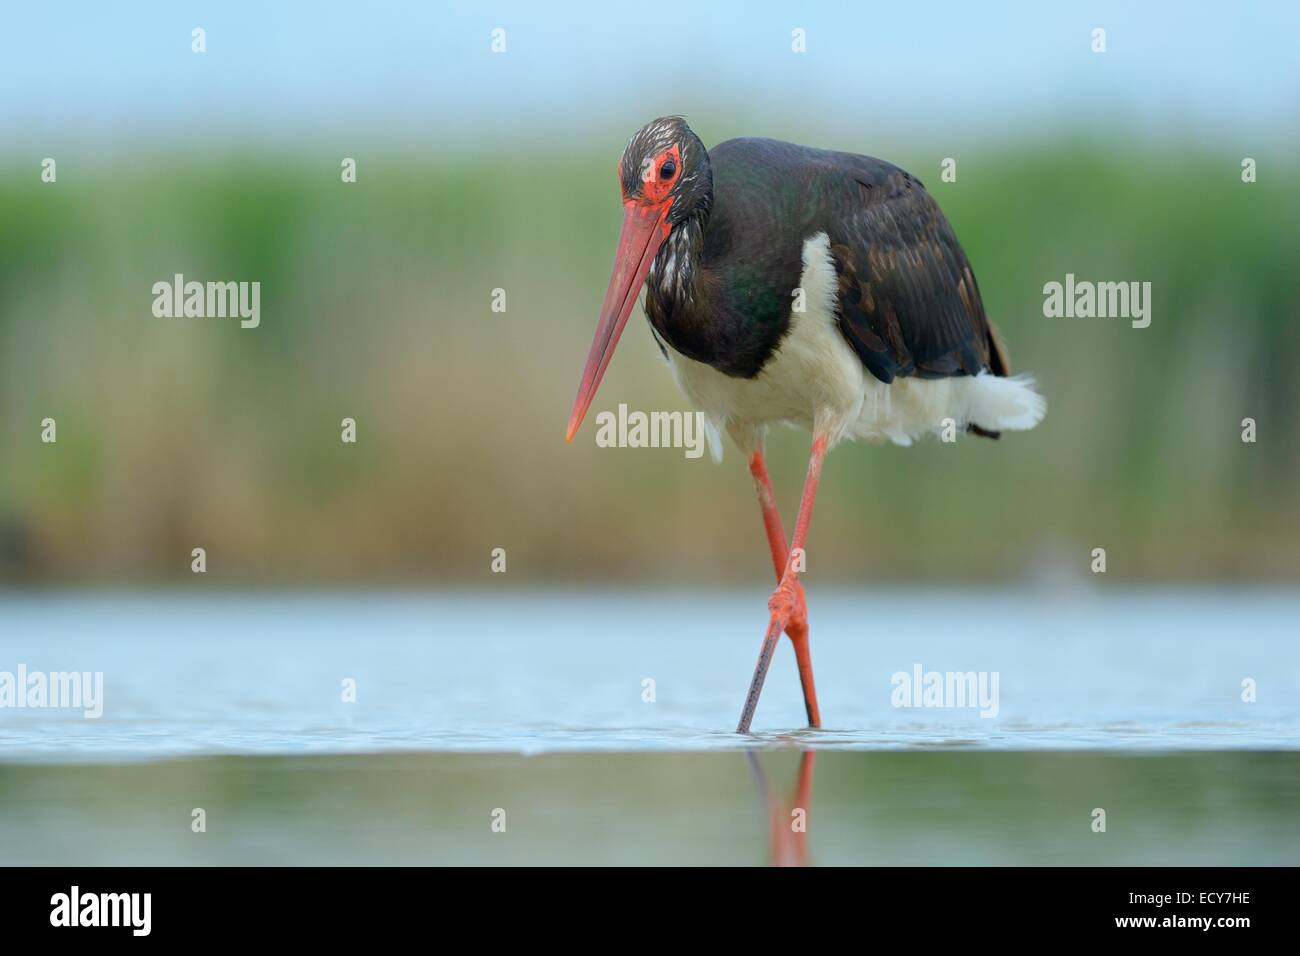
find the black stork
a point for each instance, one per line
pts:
(821, 289)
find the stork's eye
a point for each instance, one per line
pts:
(667, 169)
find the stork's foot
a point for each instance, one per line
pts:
(788, 607)
(789, 603)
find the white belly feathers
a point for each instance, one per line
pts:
(816, 381)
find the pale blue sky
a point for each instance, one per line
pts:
(123, 73)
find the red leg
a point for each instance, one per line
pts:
(786, 845)
(771, 516)
(803, 801)
(785, 600)
(797, 624)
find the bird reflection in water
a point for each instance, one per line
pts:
(788, 822)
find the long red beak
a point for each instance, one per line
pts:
(644, 230)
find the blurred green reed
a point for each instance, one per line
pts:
(174, 434)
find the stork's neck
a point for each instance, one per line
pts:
(682, 298)
(671, 283)
(692, 311)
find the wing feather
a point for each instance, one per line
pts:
(909, 303)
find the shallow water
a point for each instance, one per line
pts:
(876, 808)
(520, 672)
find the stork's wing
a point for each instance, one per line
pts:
(908, 300)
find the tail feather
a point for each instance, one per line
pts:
(1004, 404)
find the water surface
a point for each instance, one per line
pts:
(860, 807)
(520, 672)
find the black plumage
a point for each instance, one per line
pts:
(723, 284)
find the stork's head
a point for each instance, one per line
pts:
(666, 181)
(666, 168)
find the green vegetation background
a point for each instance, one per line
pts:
(174, 434)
